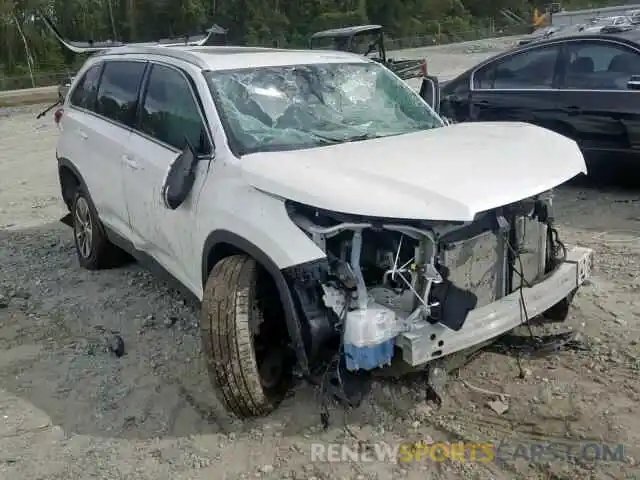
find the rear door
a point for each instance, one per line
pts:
(79, 116)
(170, 112)
(603, 112)
(101, 118)
(518, 87)
(116, 104)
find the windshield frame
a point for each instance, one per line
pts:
(239, 150)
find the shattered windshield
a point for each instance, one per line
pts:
(304, 106)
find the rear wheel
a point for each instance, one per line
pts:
(243, 338)
(93, 248)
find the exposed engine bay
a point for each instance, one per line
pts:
(383, 277)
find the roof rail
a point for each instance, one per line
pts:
(186, 53)
(164, 51)
(229, 49)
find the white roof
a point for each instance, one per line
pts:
(230, 58)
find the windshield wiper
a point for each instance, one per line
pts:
(353, 138)
(330, 140)
(362, 136)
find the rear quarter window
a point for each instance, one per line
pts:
(84, 95)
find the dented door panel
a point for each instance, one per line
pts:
(164, 234)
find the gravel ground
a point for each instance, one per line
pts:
(71, 410)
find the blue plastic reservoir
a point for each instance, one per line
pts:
(370, 357)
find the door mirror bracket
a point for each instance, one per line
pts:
(430, 91)
(634, 82)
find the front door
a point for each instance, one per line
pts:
(169, 116)
(519, 87)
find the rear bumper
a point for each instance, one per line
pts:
(427, 342)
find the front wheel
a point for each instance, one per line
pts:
(246, 350)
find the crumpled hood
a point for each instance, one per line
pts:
(449, 173)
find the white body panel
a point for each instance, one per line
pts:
(449, 173)
(166, 235)
(96, 147)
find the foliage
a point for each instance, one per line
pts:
(259, 22)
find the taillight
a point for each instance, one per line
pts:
(57, 116)
(423, 68)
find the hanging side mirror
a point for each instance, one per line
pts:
(180, 178)
(430, 91)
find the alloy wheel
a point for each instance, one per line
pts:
(84, 227)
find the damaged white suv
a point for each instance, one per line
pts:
(318, 207)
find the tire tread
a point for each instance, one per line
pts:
(226, 336)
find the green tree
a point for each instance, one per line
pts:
(29, 48)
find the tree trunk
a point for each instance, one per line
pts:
(27, 52)
(131, 13)
(113, 23)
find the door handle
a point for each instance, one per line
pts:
(572, 110)
(130, 162)
(82, 135)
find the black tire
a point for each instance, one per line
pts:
(93, 248)
(231, 317)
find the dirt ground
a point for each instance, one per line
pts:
(71, 410)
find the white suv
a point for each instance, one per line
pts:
(318, 208)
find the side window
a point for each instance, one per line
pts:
(84, 95)
(170, 113)
(483, 78)
(118, 92)
(533, 69)
(599, 66)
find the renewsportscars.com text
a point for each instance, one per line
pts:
(468, 452)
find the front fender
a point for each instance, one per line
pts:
(221, 243)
